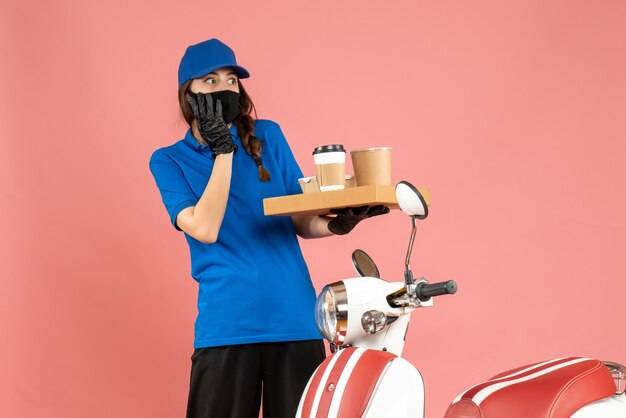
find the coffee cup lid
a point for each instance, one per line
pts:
(329, 148)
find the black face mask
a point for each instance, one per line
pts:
(230, 103)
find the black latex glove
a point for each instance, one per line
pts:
(347, 218)
(211, 123)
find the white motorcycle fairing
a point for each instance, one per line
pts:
(370, 293)
(359, 382)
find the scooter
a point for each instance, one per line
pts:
(365, 319)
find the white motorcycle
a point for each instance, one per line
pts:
(365, 320)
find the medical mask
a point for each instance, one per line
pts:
(230, 103)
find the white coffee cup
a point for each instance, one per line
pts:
(330, 164)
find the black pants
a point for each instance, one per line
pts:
(227, 382)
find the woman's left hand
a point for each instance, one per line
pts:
(347, 218)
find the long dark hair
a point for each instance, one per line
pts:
(244, 123)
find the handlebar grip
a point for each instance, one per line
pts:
(425, 291)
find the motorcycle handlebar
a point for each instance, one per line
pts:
(425, 291)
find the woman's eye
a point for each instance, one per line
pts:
(210, 81)
(232, 81)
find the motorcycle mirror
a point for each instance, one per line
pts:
(411, 200)
(364, 265)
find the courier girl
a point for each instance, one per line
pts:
(255, 334)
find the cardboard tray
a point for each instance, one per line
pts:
(320, 203)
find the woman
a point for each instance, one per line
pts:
(255, 330)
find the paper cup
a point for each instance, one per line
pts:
(309, 184)
(372, 166)
(350, 181)
(330, 165)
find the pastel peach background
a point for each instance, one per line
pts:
(512, 113)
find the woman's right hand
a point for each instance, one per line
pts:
(347, 218)
(211, 123)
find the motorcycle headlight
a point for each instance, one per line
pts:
(331, 313)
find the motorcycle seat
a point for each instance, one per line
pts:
(551, 389)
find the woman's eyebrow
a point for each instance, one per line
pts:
(228, 73)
